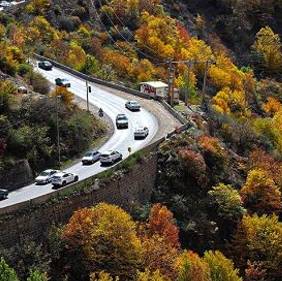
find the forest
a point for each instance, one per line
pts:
(215, 213)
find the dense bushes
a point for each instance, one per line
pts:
(30, 131)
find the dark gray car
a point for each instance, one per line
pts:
(3, 194)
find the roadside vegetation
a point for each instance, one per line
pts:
(28, 128)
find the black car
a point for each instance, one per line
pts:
(46, 65)
(63, 82)
(3, 194)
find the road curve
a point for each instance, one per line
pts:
(120, 140)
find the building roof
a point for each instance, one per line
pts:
(155, 84)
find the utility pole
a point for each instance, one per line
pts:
(171, 82)
(205, 82)
(87, 95)
(187, 80)
(58, 130)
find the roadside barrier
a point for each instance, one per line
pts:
(113, 85)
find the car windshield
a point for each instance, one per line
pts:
(43, 174)
(122, 118)
(88, 154)
(105, 155)
(134, 102)
(64, 80)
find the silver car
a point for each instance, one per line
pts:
(63, 178)
(133, 105)
(110, 157)
(45, 176)
(91, 157)
(122, 121)
(141, 133)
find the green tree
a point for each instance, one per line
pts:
(7, 273)
(36, 275)
(7, 91)
(31, 142)
(221, 268)
(227, 201)
(27, 256)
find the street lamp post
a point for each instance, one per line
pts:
(58, 130)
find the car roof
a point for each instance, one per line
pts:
(133, 101)
(108, 151)
(49, 170)
(91, 151)
(61, 173)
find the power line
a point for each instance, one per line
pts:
(134, 47)
(99, 19)
(132, 35)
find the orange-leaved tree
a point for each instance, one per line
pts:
(161, 222)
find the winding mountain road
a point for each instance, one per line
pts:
(120, 140)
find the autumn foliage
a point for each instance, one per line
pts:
(107, 237)
(161, 222)
(260, 194)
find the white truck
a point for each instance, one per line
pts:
(157, 90)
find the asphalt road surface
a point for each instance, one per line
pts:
(120, 140)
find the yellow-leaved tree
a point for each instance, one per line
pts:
(105, 238)
(76, 56)
(268, 46)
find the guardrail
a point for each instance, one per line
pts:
(93, 79)
(91, 180)
(85, 183)
(113, 85)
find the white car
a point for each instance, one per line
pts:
(45, 176)
(133, 105)
(141, 133)
(110, 157)
(5, 4)
(63, 178)
(91, 157)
